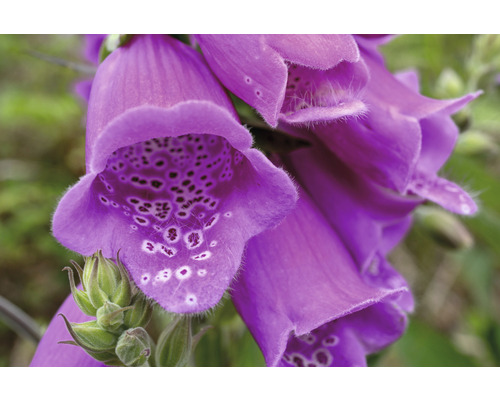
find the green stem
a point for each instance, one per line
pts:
(19, 321)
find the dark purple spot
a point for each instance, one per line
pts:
(322, 357)
(298, 361)
(156, 184)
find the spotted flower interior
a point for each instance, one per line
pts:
(175, 196)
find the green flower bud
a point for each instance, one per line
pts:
(474, 143)
(449, 84)
(134, 347)
(91, 336)
(141, 312)
(175, 344)
(106, 281)
(444, 228)
(123, 293)
(110, 317)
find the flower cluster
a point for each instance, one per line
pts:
(300, 237)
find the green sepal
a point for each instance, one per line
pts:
(175, 344)
(140, 314)
(123, 293)
(97, 296)
(108, 274)
(110, 317)
(90, 336)
(79, 270)
(80, 297)
(134, 347)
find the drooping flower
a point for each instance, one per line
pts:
(293, 78)
(171, 179)
(403, 139)
(305, 301)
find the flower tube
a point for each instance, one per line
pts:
(171, 181)
(304, 300)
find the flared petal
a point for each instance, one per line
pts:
(50, 353)
(171, 179)
(387, 91)
(297, 78)
(345, 342)
(297, 278)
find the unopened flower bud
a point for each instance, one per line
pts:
(474, 143)
(91, 336)
(175, 344)
(449, 84)
(141, 312)
(106, 281)
(134, 347)
(444, 228)
(110, 317)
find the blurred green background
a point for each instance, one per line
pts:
(456, 283)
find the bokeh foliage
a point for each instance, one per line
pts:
(457, 319)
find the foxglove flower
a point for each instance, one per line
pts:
(171, 179)
(403, 139)
(293, 78)
(305, 301)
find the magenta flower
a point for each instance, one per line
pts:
(304, 300)
(339, 299)
(293, 78)
(403, 139)
(171, 182)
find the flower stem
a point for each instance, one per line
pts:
(19, 321)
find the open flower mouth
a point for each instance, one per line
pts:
(174, 195)
(327, 94)
(171, 187)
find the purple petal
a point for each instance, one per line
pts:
(171, 179)
(152, 70)
(317, 95)
(356, 207)
(409, 78)
(382, 145)
(315, 51)
(82, 89)
(347, 341)
(254, 68)
(296, 278)
(388, 92)
(92, 47)
(443, 192)
(50, 353)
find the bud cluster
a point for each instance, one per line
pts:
(118, 336)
